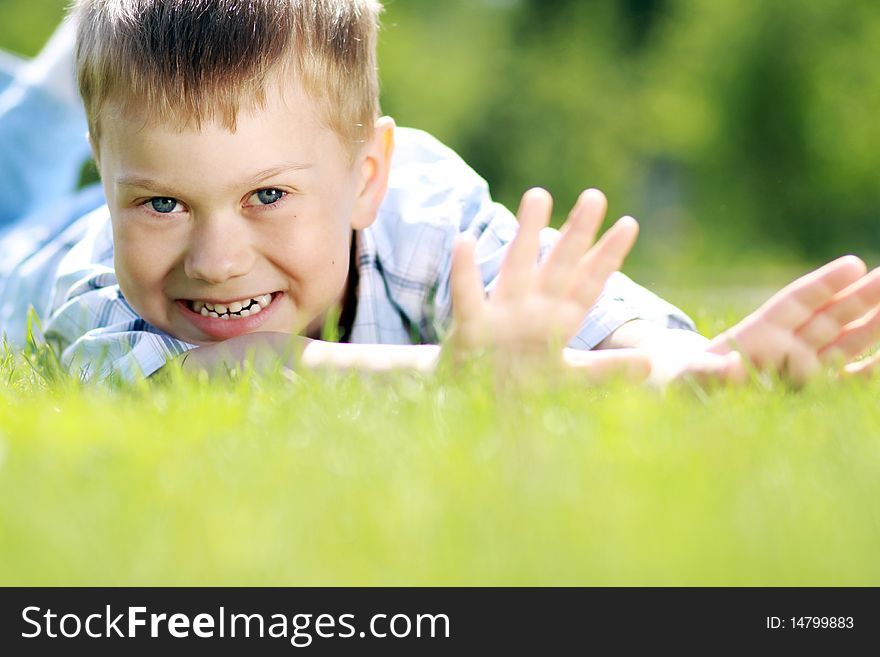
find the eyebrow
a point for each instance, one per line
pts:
(150, 183)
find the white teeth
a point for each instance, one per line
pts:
(242, 308)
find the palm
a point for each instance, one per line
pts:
(534, 310)
(826, 316)
(538, 307)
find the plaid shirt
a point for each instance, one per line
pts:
(403, 262)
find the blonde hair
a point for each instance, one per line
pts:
(190, 61)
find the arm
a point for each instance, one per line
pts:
(674, 353)
(269, 349)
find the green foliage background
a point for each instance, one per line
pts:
(743, 128)
(744, 125)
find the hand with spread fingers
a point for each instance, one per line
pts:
(535, 309)
(822, 320)
(825, 318)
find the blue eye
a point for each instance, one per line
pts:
(269, 196)
(163, 205)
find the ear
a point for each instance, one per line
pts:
(374, 163)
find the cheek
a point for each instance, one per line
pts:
(315, 260)
(312, 254)
(312, 241)
(142, 261)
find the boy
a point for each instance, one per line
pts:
(251, 188)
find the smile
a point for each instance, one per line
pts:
(221, 320)
(231, 310)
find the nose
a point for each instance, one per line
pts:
(219, 249)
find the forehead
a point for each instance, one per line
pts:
(286, 125)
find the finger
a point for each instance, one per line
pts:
(519, 263)
(468, 295)
(847, 306)
(602, 366)
(795, 303)
(734, 370)
(556, 274)
(855, 339)
(864, 368)
(819, 331)
(602, 260)
(857, 299)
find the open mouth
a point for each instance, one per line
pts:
(232, 310)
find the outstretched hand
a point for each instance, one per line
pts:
(827, 317)
(535, 310)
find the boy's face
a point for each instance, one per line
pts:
(220, 233)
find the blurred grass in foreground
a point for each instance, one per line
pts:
(398, 480)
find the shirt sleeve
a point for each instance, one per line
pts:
(99, 335)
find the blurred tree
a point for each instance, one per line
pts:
(755, 99)
(642, 15)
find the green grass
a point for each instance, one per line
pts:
(449, 480)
